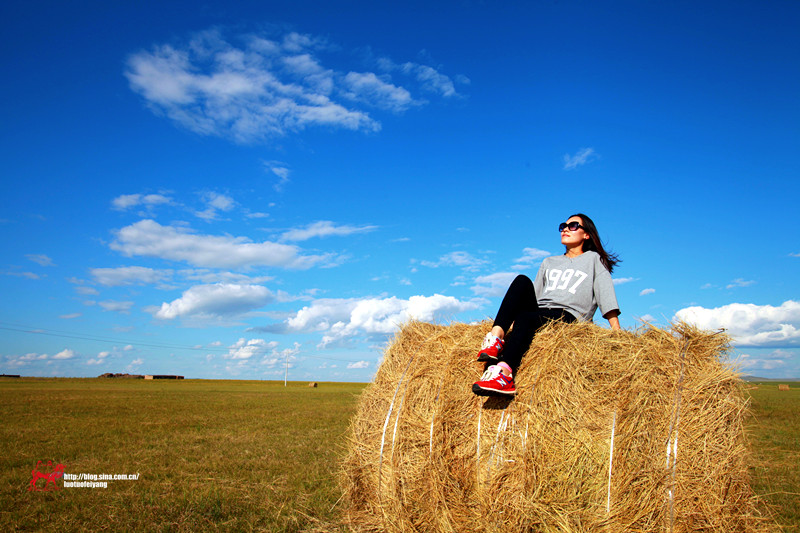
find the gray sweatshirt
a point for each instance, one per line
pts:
(578, 285)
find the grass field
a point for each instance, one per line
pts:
(240, 455)
(774, 432)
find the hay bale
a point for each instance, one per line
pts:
(610, 431)
(313, 384)
(783, 386)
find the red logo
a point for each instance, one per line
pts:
(50, 474)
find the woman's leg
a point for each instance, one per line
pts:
(519, 307)
(518, 302)
(520, 297)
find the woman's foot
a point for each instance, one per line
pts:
(494, 382)
(491, 348)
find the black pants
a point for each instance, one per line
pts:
(520, 308)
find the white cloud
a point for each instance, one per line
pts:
(280, 170)
(217, 300)
(370, 89)
(151, 239)
(431, 80)
(276, 358)
(126, 201)
(134, 365)
(622, 281)
(323, 228)
(14, 361)
(87, 291)
(247, 349)
(307, 68)
(206, 277)
(261, 90)
(750, 324)
(531, 256)
(29, 275)
(40, 259)
(64, 354)
(220, 201)
(343, 318)
(101, 358)
(131, 275)
(358, 365)
(583, 156)
(215, 203)
(494, 284)
(463, 260)
(117, 306)
(739, 282)
(33, 357)
(775, 360)
(645, 292)
(252, 89)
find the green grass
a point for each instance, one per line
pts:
(212, 455)
(240, 455)
(774, 433)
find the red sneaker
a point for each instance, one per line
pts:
(494, 383)
(491, 348)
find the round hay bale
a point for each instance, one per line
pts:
(313, 384)
(609, 431)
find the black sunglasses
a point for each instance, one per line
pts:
(573, 226)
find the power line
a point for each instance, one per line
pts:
(98, 338)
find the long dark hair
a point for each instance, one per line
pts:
(594, 243)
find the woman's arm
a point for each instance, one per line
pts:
(613, 319)
(605, 295)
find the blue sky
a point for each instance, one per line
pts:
(213, 190)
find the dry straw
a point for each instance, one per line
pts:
(609, 431)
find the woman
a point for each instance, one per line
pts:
(567, 287)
